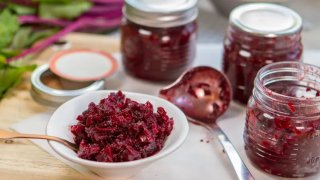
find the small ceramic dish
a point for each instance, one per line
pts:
(65, 116)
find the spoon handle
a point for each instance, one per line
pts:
(241, 169)
(13, 135)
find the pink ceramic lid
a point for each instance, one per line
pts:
(83, 65)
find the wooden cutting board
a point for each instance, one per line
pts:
(22, 159)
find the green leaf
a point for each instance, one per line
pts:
(26, 36)
(57, 1)
(9, 24)
(70, 10)
(38, 35)
(7, 53)
(21, 10)
(21, 38)
(2, 61)
(11, 75)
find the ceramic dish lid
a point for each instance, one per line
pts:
(83, 65)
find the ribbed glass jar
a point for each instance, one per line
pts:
(250, 45)
(158, 54)
(282, 130)
(158, 43)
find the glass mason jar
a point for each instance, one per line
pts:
(158, 39)
(282, 130)
(259, 34)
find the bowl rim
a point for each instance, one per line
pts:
(162, 153)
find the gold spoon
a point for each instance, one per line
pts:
(13, 135)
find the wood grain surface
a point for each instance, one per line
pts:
(21, 159)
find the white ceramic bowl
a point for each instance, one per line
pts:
(65, 116)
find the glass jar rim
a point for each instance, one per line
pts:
(286, 66)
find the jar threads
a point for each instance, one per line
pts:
(283, 120)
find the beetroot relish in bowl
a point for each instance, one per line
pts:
(119, 129)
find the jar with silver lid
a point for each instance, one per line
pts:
(158, 38)
(259, 34)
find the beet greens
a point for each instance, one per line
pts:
(23, 23)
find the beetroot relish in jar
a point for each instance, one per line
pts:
(282, 130)
(259, 34)
(158, 40)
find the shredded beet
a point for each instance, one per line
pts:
(119, 129)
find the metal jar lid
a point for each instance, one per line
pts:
(49, 96)
(265, 19)
(161, 13)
